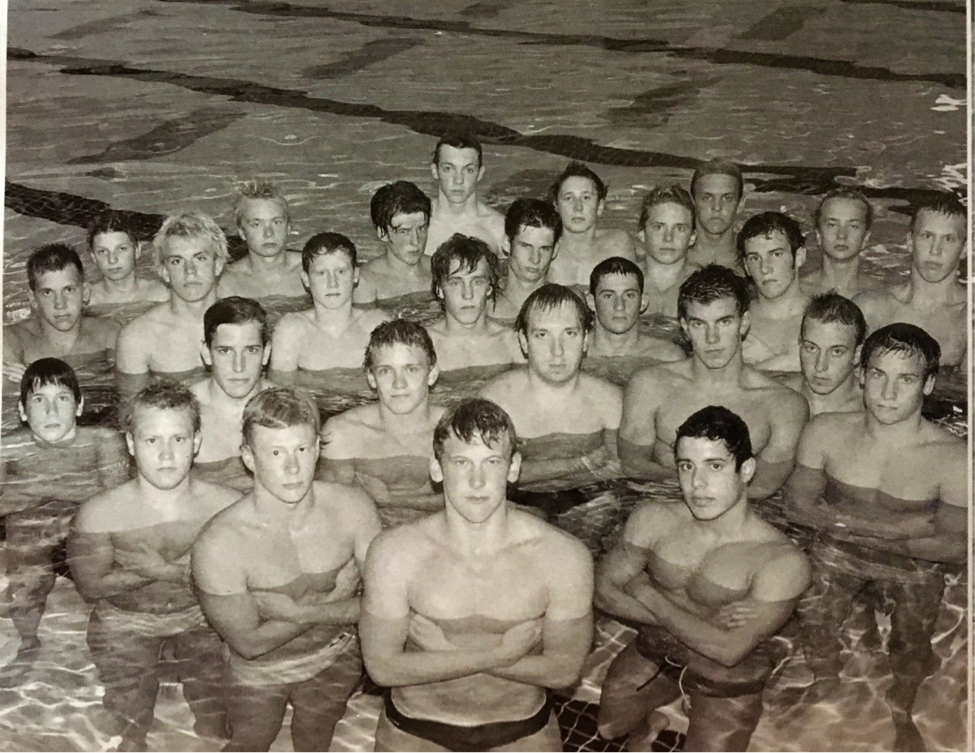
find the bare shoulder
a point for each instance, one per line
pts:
(617, 242)
(213, 497)
(101, 513)
(650, 380)
(600, 388)
(226, 530)
(506, 384)
(292, 324)
(354, 420)
(370, 318)
(148, 322)
(294, 260)
(832, 429)
(781, 566)
(402, 548)
(650, 520)
(555, 548)
(349, 503)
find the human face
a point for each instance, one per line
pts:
(578, 204)
(114, 253)
(465, 293)
(237, 357)
(555, 343)
(827, 354)
(532, 251)
(668, 233)
(264, 226)
(283, 460)
(51, 411)
(407, 237)
(937, 244)
(842, 230)
(618, 303)
(331, 278)
(191, 267)
(716, 200)
(475, 476)
(715, 330)
(709, 481)
(163, 445)
(769, 262)
(402, 376)
(59, 297)
(457, 172)
(894, 387)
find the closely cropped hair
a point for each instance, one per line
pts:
(762, 225)
(468, 252)
(279, 408)
(257, 189)
(845, 192)
(401, 331)
(161, 395)
(577, 170)
(110, 221)
(401, 197)
(672, 194)
(833, 308)
(475, 418)
(710, 284)
(189, 225)
(532, 213)
(459, 139)
(718, 424)
(45, 371)
(324, 244)
(52, 258)
(235, 309)
(614, 265)
(906, 339)
(551, 296)
(719, 166)
(941, 202)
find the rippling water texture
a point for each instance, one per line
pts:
(150, 106)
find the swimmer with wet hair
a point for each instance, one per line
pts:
(484, 648)
(773, 249)
(114, 247)
(263, 221)
(277, 574)
(57, 327)
(379, 446)
(704, 631)
(47, 470)
(579, 196)
(717, 188)
(129, 551)
(932, 297)
(190, 253)
(713, 308)
(832, 333)
(886, 491)
(401, 215)
(332, 333)
(457, 168)
(532, 229)
(666, 228)
(465, 281)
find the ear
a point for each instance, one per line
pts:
(218, 265)
(267, 354)
(819, 237)
(305, 281)
(371, 379)
(434, 375)
(745, 325)
(382, 234)
(600, 207)
(197, 441)
(684, 328)
(22, 411)
(130, 443)
(435, 171)
(81, 407)
(693, 239)
(642, 235)
(523, 342)
(748, 470)
(85, 292)
(480, 174)
(591, 300)
(436, 472)
(205, 354)
(585, 343)
(800, 257)
(33, 299)
(247, 456)
(644, 302)
(506, 245)
(866, 239)
(514, 470)
(164, 273)
(929, 384)
(355, 276)
(856, 355)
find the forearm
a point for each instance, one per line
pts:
(341, 612)
(130, 384)
(940, 547)
(637, 462)
(423, 667)
(286, 378)
(116, 581)
(769, 477)
(534, 471)
(613, 600)
(267, 636)
(546, 671)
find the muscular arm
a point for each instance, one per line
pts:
(131, 362)
(285, 347)
(638, 432)
(621, 564)
(91, 557)
(774, 463)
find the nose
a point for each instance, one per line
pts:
(268, 231)
(166, 451)
(697, 479)
(619, 304)
(50, 407)
(937, 248)
(467, 291)
(399, 379)
(191, 270)
(668, 233)
(60, 300)
(558, 347)
(577, 204)
(766, 265)
(535, 256)
(822, 362)
(478, 478)
(291, 464)
(711, 335)
(890, 389)
(238, 362)
(842, 231)
(113, 256)
(331, 281)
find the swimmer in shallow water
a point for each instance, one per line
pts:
(718, 189)
(709, 582)
(48, 470)
(57, 327)
(129, 551)
(113, 246)
(887, 493)
(277, 575)
(269, 269)
(713, 307)
(332, 333)
(383, 446)
(471, 613)
(236, 348)
(190, 252)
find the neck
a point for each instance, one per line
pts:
(162, 498)
(456, 328)
(790, 303)
(183, 308)
(399, 266)
(268, 263)
(902, 433)
(63, 340)
(571, 240)
(934, 294)
(220, 398)
(405, 423)
(729, 374)
(465, 207)
(837, 399)
(472, 540)
(840, 273)
(128, 284)
(333, 319)
(517, 290)
(721, 241)
(609, 343)
(277, 514)
(728, 525)
(559, 389)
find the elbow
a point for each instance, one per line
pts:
(246, 649)
(381, 673)
(728, 655)
(566, 675)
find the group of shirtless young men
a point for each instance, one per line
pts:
(468, 607)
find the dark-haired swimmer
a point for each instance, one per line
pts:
(471, 613)
(190, 252)
(717, 188)
(579, 195)
(401, 215)
(532, 229)
(114, 247)
(332, 333)
(457, 167)
(667, 231)
(713, 305)
(887, 492)
(48, 469)
(129, 551)
(709, 582)
(277, 575)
